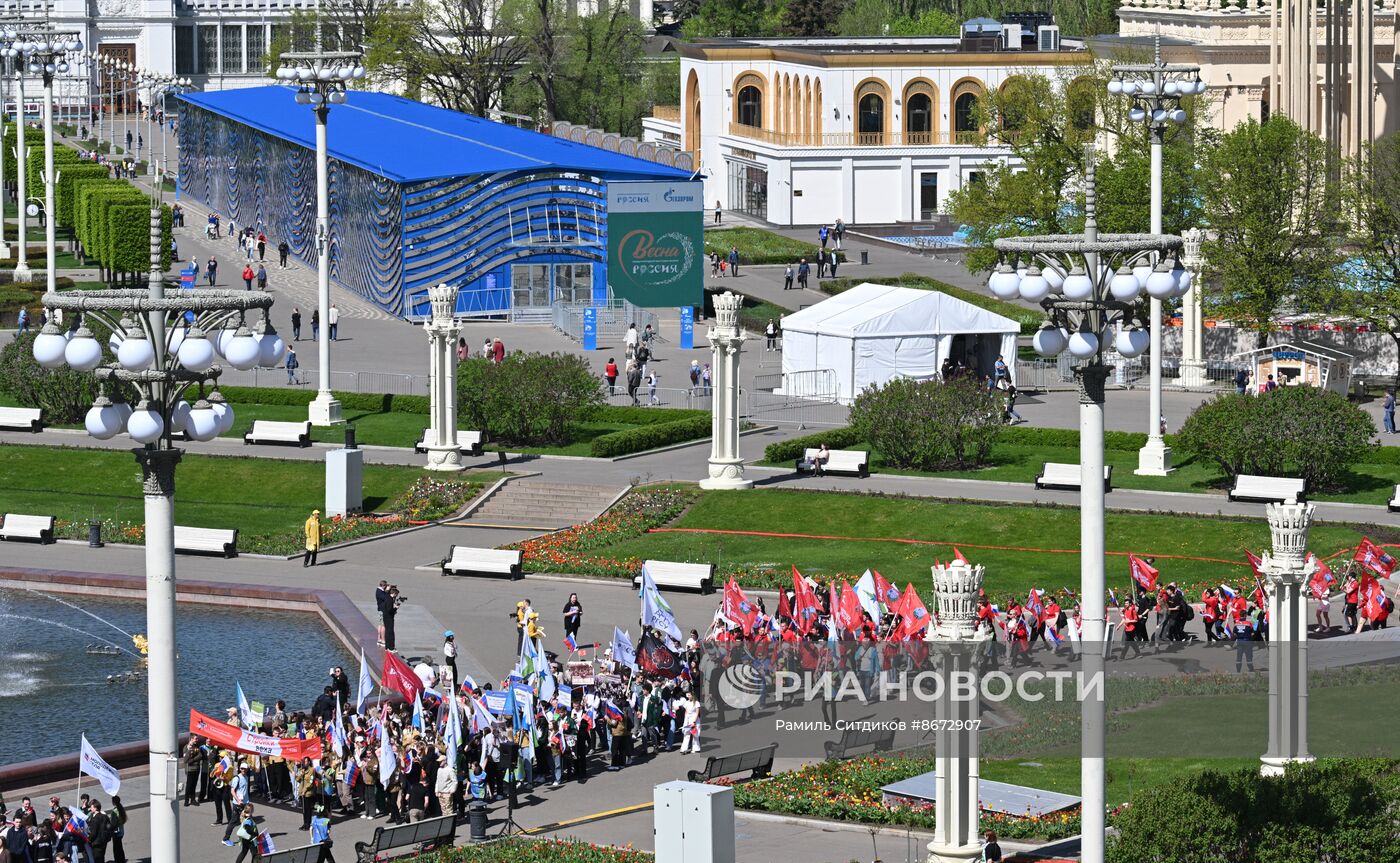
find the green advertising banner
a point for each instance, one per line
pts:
(656, 247)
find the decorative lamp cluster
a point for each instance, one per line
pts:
(1156, 89)
(42, 53)
(320, 79)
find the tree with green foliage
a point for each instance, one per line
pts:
(1295, 431)
(811, 17)
(1275, 220)
(734, 18)
(888, 18)
(1340, 811)
(527, 398)
(1371, 191)
(928, 425)
(64, 395)
(67, 181)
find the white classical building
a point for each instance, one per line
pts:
(868, 130)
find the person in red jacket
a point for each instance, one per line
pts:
(1210, 612)
(610, 372)
(1351, 593)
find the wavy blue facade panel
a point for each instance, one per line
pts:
(270, 183)
(469, 231)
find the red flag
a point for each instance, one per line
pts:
(1254, 563)
(958, 556)
(737, 606)
(1033, 603)
(1322, 579)
(784, 609)
(913, 617)
(850, 615)
(399, 677)
(806, 609)
(1259, 598)
(887, 593)
(1374, 558)
(1142, 573)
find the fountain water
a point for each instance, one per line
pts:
(70, 629)
(79, 608)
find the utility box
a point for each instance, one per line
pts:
(345, 471)
(694, 823)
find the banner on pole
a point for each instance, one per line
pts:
(656, 246)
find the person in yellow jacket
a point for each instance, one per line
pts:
(313, 538)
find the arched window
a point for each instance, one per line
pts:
(872, 114)
(750, 107)
(965, 113)
(918, 118)
(872, 124)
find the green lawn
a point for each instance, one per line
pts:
(757, 246)
(1035, 546)
(1125, 776)
(257, 496)
(1368, 483)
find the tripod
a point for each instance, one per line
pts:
(511, 828)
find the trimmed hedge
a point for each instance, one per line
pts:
(639, 416)
(63, 195)
(33, 138)
(376, 402)
(1112, 440)
(650, 437)
(792, 448)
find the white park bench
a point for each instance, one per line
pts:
(465, 560)
(468, 442)
(211, 540)
(1058, 475)
(1394, 505)
(670, 573)
(266, 431)
(851, 461)
(38, 527)
(24, 419)
(1268, 489)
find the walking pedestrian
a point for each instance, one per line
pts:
(634, 381)
(315, 325)
(292, 365)
(333, 320)
(610, 375)
(282, 251)
(652, 378)
(116, 817)
(803, 269)
(313, 538)
(211, 270)
(714, 265)
(734, 261)
(248, 276)
(718, 211)
(835, 259)
(823, 234)
(787, 278)
(770, 330)
(1388, 411)
(462, 350)
(498, 351)
(449, 653)
(296, 324)
(840, 232)
(262, 277)
(262, 246)
(23, 320)
(573, 615)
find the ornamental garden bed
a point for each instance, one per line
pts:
(536, 851)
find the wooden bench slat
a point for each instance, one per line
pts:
(19, 526)
(29, 419)
(466, 560)
(849, 461)
(1066, 476)
(279, 432)
(431, 831)
(468, 442)
(670, 573)
(208, 539)
(1268, 489)
(758, 761)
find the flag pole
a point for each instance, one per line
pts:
(78, 795)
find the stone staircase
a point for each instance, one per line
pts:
(526, 503)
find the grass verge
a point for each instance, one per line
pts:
(757, 246)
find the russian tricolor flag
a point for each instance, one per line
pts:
(265, 846)
(613, 713)
(570, 642)
(1227, 590)
(352, 773)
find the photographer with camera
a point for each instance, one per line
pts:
(391, 610)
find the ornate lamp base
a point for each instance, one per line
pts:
(1155, 459)
(445, 459)
(949, 854)
(726, 474)
(23, 273)
(1273, 766)
(325, 411)
(1193, 375)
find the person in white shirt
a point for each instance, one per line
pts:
(690, 725)
(449, 654)
(333, 319)
(425, 672)
(632, 340)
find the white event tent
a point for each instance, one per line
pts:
(874, 333)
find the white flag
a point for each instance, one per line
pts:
(655, 612)
(388, 762)
(246, 714)
(338, 730)
(865, 593)
(450, 735)
(366, 684)
(92, 764)
(623, 651)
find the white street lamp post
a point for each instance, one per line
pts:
(1287, 570)
(727, 340)
(159, 357)
(443, 329)
(1156, 90)
(46, 55)
(22, 272)
(4, 136)
(321, 78)
(956, 641)
(1086, 284)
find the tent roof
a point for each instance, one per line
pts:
(408, 141)
(879, 311)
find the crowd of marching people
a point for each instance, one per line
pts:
(63, 834)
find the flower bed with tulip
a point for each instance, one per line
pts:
(573, 550)
(850, 791)
(428, 499)
(536, 851)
